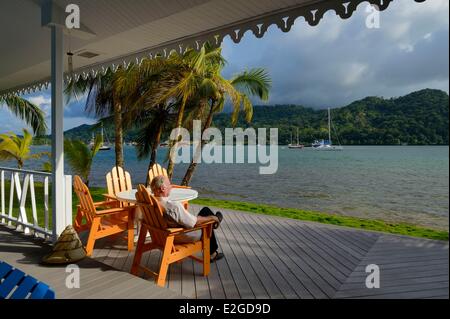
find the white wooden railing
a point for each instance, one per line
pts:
(22, 182)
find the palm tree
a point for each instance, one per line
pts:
(155, 121)
(239, 89)
(26, 111)
(185, 80)
(141, 88)
(102, 100)
(13, 147)
(193, 80)
(80, 156)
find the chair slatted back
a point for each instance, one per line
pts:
(84, 197)
(118, 181)
(18, 285)
(156, 170)
(153, 214)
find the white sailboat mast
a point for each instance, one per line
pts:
(329, 126)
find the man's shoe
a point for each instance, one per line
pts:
(217, 256)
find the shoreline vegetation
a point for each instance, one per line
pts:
(299, 214)
(419, 118)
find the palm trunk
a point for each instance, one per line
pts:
(171, 164)
(190, 171)
(154, 152)
(118, 132)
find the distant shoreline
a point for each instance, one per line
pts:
(306, 145)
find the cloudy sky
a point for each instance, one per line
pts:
(334, 63)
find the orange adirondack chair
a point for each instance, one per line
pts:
(163, 238)
(101, 223)
(118, 181)
(158, 170)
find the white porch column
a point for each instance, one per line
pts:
(57, 87)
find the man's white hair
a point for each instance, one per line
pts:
(157, 182)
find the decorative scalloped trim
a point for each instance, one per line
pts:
(284, 20)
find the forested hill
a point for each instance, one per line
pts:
(420, 117)
(417, 118)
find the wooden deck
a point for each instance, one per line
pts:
(265, 257)
(97, 280)
(270, 257)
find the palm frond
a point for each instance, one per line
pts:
(27, 112)
(79, 157)
(255, 82)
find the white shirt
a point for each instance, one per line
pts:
(176, 215)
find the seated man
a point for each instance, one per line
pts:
(177, 216)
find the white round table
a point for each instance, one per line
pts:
(176, 194)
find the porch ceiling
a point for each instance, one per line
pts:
(127, 31)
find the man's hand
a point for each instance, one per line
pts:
(205, 219)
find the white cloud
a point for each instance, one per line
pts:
(353, 73)
(406, 47)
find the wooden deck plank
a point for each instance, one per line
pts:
(344, 249)
(251, 250)
(294, 271)
(215, 284)
(26, 253)
(322, 247)
(226, 276)
(240, 279)
(423, 289)
(240, 249)
(187, 279)
(318, 256)
(265, 257)
(287, 262)
(201, 283)
(260, 248)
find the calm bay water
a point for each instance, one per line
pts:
(401, 183)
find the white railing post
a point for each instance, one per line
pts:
(68, 199)
(46, 200)
(11, 197)
(2, 176)
(24, 192)
(22, 196)
(57, 87)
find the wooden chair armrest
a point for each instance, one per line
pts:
(113, 211)
(110, 197)
(107, 203)
(180, 186)
(178, 231)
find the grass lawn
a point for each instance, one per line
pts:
(369, 224)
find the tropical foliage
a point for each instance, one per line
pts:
(80, 156)
(165, 93)
(418, 118)
(26, 111)
(17, 148)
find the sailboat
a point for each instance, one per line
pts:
(326, 145)
(104, 146)
(297, 145)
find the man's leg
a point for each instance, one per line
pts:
(213, 246)
(206, 211)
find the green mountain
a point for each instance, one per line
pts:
(418, 118)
